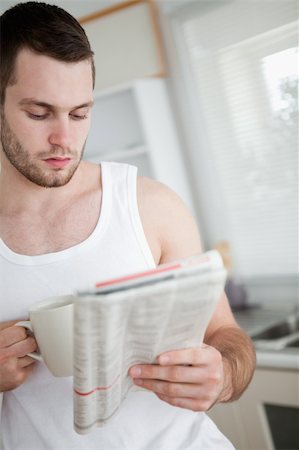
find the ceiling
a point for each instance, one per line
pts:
(78, 8)
(81, 8)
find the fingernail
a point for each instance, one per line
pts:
(138, 381)
(135, 372)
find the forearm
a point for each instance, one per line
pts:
(239, 360)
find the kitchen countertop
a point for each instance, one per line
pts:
(255, 319)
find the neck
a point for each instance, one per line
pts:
(18, 194)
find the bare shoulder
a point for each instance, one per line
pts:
(90, 168)
(168, 223)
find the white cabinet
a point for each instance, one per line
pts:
(134, 124)
(267, 415)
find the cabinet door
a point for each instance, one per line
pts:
(115, 125)
(126, 44)
(134, 124)
(252, 423)
(116, 132)
(228, 419)
(277, 388)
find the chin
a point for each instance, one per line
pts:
(57, 179)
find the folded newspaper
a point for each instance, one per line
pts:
(132, 320)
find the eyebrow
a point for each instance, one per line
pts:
(32, 101)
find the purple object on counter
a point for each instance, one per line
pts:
(236, 294)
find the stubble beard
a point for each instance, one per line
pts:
(20, 159)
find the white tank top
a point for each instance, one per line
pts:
(39, 414)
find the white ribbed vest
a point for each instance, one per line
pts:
(38, 415)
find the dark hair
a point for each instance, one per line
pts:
(42, 28)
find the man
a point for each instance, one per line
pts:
(66, 223)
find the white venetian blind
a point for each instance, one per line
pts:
(243, 56)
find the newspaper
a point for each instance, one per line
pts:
(132, 320)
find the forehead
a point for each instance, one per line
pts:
(50, 80)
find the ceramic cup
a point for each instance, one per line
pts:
(51, 322)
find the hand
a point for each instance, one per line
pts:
(15, 366)
(192, 378)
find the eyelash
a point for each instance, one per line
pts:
(44, 116)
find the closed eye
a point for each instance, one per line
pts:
(78, 117)
(37, 116)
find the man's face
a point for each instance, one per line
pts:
(46, 118)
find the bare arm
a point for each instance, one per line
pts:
(238, 357)
(221, 369)
(236, 348)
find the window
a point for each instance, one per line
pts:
(240, 72)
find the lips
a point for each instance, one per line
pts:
(57, 161)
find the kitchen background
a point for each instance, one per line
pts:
(202, 95)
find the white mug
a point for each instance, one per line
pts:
(51, 322)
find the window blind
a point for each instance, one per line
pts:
(243, 57)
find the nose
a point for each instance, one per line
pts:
(60, 133)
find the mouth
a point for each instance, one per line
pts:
(58, 161)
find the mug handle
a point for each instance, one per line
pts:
(27, 324)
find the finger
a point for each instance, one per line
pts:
(12, 335)
(187, 403)
(26, 361)
(188, 356)
(22, 348)
(171, 389)
(180, 374)
(9, 324)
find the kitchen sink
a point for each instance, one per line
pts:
(281, 335)
(293, 344)
(284, 328)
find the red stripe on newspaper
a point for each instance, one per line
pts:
(98, 388)
(139, 275)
